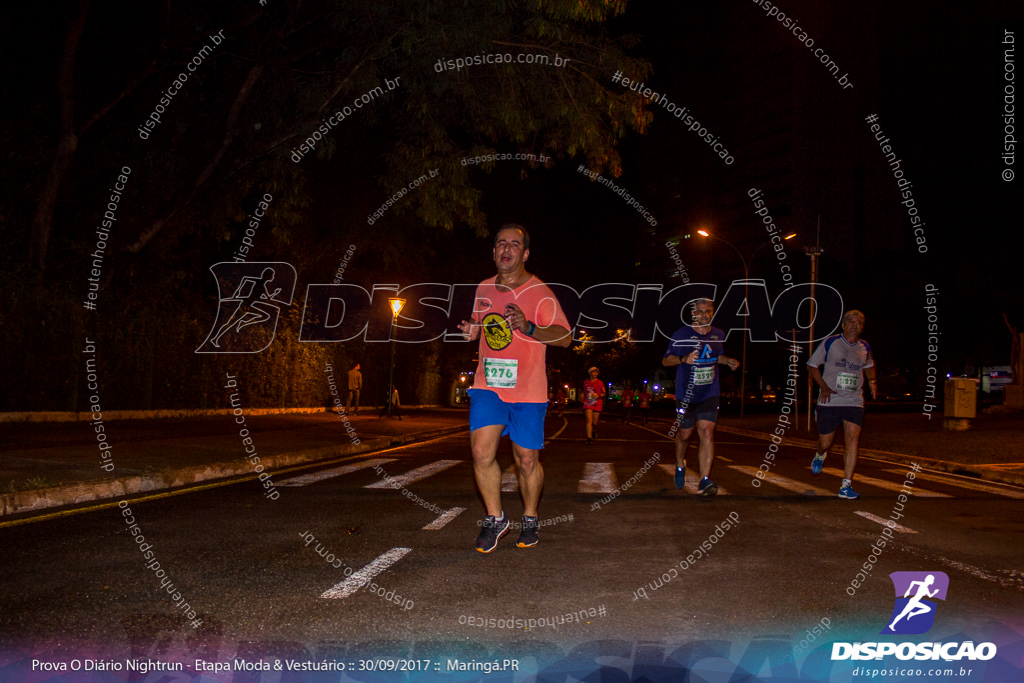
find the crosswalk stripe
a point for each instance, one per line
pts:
(785, 482)
(509, 480)
(314, 477)
(885, 522)
(363, 576)
(885, 484)
(598, 477)
(444, 518)
(413, 476)
(692, 479)
(967, 484)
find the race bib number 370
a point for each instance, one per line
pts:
(501, 373)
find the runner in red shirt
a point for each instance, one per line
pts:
(627, 403)
(644, 399)
(593, 393)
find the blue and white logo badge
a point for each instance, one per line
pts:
(916, 595)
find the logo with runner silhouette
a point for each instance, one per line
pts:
(250, 297)
(916, 593)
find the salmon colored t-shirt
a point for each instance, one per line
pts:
(512, 365)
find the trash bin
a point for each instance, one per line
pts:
(961, 397)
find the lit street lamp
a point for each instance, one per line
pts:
(396, 308)
(746, 278)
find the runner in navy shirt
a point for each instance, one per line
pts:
(696, 352)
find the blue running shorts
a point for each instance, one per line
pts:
(524, 422)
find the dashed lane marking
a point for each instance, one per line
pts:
(444, 518)
(885, 522)
(363, 576)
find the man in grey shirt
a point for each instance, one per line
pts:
(846, 359)
(355, 383)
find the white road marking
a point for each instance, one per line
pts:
(363, 576)
(314, 477)
(981, 573)
(446, 516)
(692, 479)
(413, 476)
(785, 482)
(967, 483)
(509, 480)
(885, 522)
(598, 477)
(885, 484)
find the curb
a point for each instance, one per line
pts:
(976, 471)
(107, 489)
(85, 416)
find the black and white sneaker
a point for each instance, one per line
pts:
(492, 531)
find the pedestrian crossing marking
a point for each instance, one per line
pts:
(509, 480)
(313, 477)
(692, 480)
(964, 483)
(784, 482)
(413, 476)
(598, 477)
(885, 484)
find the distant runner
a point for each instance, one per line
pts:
(696, 353)
(593, 395)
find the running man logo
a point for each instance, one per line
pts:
(247, 318)
(914, 613)
(497, 331)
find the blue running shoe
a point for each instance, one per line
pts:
(681, 477)
(818, 462)
(848, 493)
(707, 487)
(492, 531)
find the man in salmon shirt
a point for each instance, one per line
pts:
(519, 317)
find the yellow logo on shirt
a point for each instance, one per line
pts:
(497, 331)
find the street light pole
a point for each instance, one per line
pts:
(396, 308)
(814, 252)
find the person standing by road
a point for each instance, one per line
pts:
(846, 359)
(516, 317)
(593, 395)
(696, 353)
(355, 384)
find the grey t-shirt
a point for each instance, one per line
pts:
(843, 371)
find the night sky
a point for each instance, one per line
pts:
(934, 78)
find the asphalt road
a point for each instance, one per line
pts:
(622, 577)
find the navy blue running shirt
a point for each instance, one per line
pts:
(697, 382)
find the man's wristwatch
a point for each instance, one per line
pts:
(533, 328)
